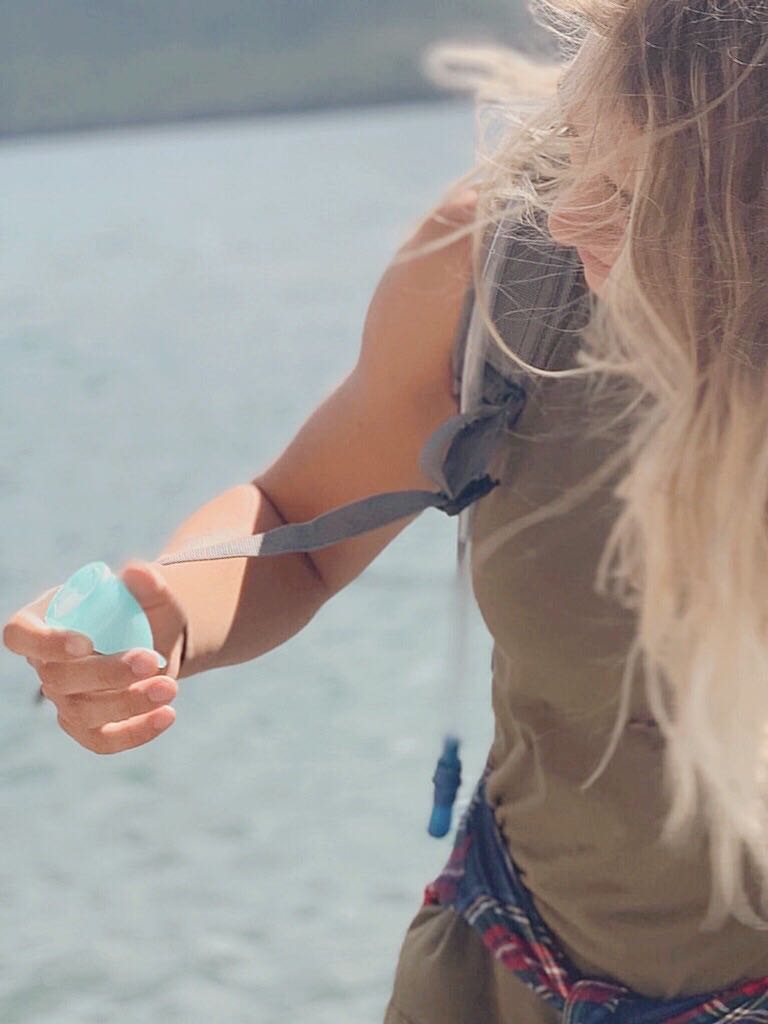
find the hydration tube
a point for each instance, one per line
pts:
(447, 776)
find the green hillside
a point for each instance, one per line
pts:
(80, 64)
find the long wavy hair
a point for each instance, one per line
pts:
(679, 333)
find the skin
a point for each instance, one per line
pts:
(107, 703)
(569, 220)
(402, 380)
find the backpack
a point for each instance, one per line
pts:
(538, 302)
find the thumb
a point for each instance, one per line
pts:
(147, 585)
(166, 614)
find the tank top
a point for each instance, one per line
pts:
(623, 906)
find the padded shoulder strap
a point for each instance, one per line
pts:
(539, 302)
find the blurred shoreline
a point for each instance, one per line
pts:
(210, 118)
(79, 66)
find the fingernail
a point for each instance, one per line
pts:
(162, 721)
(160, 692)
(144, 663)
(78, 646)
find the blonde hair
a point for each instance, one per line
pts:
(679, 334)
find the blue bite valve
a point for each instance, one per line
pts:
(95, 602)
(447, 779)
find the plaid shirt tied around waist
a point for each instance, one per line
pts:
(481, 883)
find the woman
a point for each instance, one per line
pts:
(617, 839)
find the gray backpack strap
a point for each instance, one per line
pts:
(454, 456)
(340, 523)
(457, 454)
(530, 298)
(538, 302)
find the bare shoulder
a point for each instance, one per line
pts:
(415, 311)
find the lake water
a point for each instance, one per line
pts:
(174, 303)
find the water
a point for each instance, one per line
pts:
(174, 304)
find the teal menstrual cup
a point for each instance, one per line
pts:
(95, 602)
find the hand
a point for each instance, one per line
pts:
(106, 702)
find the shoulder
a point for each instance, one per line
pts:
(415, 312)
(455, 211)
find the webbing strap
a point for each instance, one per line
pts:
(455, 456)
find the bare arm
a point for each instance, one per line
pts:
(364, 438)
(238, 608)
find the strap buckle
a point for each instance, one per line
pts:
(473, 491)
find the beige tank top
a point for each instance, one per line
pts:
(624, 907)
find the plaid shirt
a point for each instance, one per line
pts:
(481, 883)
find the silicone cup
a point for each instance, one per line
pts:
(95, 602)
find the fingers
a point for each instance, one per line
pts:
(106, 703)
(117, 736)
(87, 711)
(96, 672)
(28, 635)
(108, 721)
